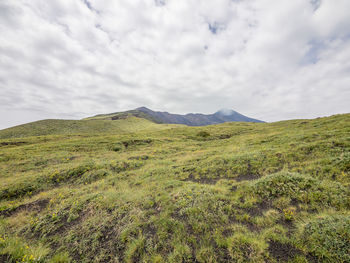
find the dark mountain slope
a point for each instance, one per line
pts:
(191, 119)
(197, 119)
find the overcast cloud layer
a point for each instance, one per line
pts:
(267, 59)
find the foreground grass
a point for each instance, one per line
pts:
(235, 192)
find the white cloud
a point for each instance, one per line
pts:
(267, 59)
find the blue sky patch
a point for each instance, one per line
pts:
(315, 4)
(215, 27)
(159, 2)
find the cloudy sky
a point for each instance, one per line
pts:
(267, 59)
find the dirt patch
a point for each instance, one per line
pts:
(136, 142)
(64, 226)
(224, 136)
(11, 143)
(142, 157)
(179, 216)
(119, 117)
(259, 209)
(227, 232)
(246, 177)
(206, 137)
(283, 252)
(288, 224)
(149, 230)
(233, 188)
(5, 258)
(312, 259)
(33, 206)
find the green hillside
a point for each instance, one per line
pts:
(124, 115)
(94, 126)
(135, 191)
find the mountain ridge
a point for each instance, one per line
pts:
(189, 119)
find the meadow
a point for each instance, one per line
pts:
(131, 190)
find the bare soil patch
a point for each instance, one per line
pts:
(283, 252)
(11, 143)
(37, 205)
(246, 177)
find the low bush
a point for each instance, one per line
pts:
(92, 176)
(15, 250)
(18, 190)
(245, 248)
(328, 238)
(203, 134)
(302, 188)
(117, 147)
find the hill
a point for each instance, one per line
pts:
(95, 126)
(190, 119)
(233, 192)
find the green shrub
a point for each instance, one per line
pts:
(121, 166)
(181, 253)
(17, 251)
(203, 134)
(206, 254)
(92, 176)
(302, 188)
(135, 250)
(69, 175)
(18, 190)
(118, 147)
(328, 238)
(60, 258)
(243, 247)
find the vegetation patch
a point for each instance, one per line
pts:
(271, 192)
(328, 238)
(14, 143)
(244, 247)
(14, 249)
(70, 175)
(18, 190)
(203, 134)
(130, 143)
(302, 188)
(37, 205)
(122, 166)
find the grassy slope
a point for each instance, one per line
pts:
(235, 192)
(48, 127)
(124, 115)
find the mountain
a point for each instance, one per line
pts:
(122, 122)
(190, 119)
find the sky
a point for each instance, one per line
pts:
(267, 59)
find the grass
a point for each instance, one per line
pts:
(328, 238)
(124, 115)
(130, 190)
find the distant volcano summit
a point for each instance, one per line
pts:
(190, 119)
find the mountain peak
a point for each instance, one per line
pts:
(143, 109)
(225, 112)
